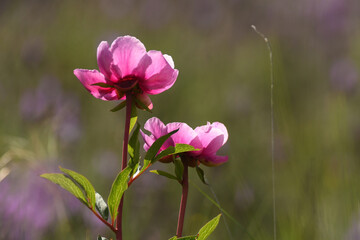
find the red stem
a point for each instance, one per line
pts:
(103, 220)
(134, 178)
(124, 162)
(185, 188)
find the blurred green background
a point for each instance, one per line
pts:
(48, 119)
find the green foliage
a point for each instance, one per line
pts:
(179, 148)
(179, 169)
(133, 117)
(84, 183)
(119, 186)
(208, 228)
(154, 149)
(193, 237)
(102, 238)
(164, 174)
(67, 184)
(119, 106)
(101, 206)
(101, 84)
(204, 232)
(201, 175)
(134, 147)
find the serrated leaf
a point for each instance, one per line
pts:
(104, 85)
(119, 186)
(179, 169)
(101, 206)
(201, 175)
(173, 238)
(119, 106)
(154, 148)
(67, 184)
(208, 228)
(84, 183)
(133, 117)
(164, 174)
(134, 147)
(179, 148)
(102, 238)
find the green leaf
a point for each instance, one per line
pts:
(179, 148)
(201, 175)
(164, 174)
(154, 148)
(134, 147)
(67, 184)
(208, 228)
(142, 105)
(118, 188)
(102, 238)
(101, 206)
(192, 237)
(104, 85)
(119, 106)
(84, 183)
(133, 117)
(179, 169)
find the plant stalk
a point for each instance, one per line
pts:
(185, 189)
(124, 162)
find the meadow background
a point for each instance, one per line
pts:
(48, 119)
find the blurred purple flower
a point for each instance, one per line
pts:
(344, 76)
(333, 17)
(29, 206)
(48, 101)
(354, 230)
(37, 104)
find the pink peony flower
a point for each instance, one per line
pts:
(126, 66)
(208, 139)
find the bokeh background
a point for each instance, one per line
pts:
(48, 119)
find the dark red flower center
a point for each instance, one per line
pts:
(126, 83)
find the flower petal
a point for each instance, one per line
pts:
(144, 63)
(185, 135)
(212, 136)
(156, 127)
(127, 52)
(212, 161)
(104, 59)
(222, 128)
(149, 140)
(89, 77)
(169, 60)
(160, 75)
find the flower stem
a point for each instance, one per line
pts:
(185, 188)
(124, 162)
(103, 220)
